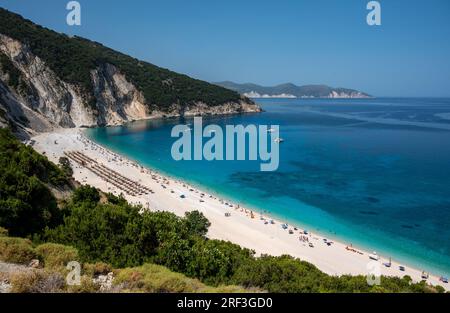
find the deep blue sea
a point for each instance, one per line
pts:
(371, 172)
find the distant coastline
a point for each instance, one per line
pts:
(291, 91)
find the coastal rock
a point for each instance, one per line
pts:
(5, 286)
(34, 264)
(200, 109)
(105, 281)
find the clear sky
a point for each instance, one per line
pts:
(272, 42)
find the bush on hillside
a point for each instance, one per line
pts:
(37, 281)
(56, 255)
(96, 269)
(16, 250)
(26, 204)
(3, 232)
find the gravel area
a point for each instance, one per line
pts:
(5, 270)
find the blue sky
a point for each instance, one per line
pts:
(272, 42)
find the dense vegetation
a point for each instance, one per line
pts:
(106, 229)
(116, 233)
(53, 258)
(26, 204)
(72, 59)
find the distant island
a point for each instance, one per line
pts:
(290, 90)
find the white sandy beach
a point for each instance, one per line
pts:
(239, 227)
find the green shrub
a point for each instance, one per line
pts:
(37, 281)
(158, 279)
(155, 278)
(65, 166)
(86, 194)
(230, 289)
(214, 262)
(26, 204)
(95, 269)
(3, 232)
(16, 250)
(56, 255)
(197, 223)
(280, 274)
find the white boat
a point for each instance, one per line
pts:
(279, 140)
(374, 256)
(271, 130)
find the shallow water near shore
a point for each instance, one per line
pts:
(371, 172)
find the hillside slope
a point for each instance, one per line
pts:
(42, 269)
(49, 79)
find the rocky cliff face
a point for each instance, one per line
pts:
(41, 98)
(35, 99)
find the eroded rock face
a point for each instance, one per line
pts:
(118, 100)
(202, 109)
(43, 101)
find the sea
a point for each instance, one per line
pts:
(371, 172)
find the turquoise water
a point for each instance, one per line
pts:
(374, 173)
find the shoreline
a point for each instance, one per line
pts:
(323, 232)
(244, 227)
